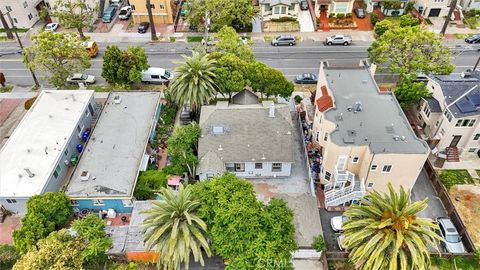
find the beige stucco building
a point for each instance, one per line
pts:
(333, 6)
(364, 137)
(161, 11)
(274, 9)
(450, 118)
(24, 13)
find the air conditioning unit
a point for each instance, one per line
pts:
(84, 176)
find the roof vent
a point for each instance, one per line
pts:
(358, 106)
(117, 100)
(396, 138)
(84, 176)
(30, 174)
(351, 133)
(364, 81)
(403, 138)
(218, 130)
(350, 108)
(220, 148)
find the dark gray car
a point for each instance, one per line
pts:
(283, 40)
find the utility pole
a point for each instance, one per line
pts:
(152, 23)
(35, 80)
(207, 25)
(5, 26)
(453, 4)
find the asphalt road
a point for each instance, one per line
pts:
(304, 57)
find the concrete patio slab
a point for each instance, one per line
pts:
(10, 224)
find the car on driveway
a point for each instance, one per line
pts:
(453, 241)
(360, 12)
(283, 40)
(337, 223)
(338, 40)
(143, 27)
(81, 78)
(125, 13)
(304, 5)
(473, 39)
(306, 78)
(51, 27)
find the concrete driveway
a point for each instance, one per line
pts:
(328, 233)
(424, 189)
(306, 23)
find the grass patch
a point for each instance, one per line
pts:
(454, 263)
(472, 22)
(451, 178)
(267, 38)
(19, 30)
(461, 36)
(394, 19)
(6, 39)
(194, 38)
(428, 21)
(173, 39)
(6, 89)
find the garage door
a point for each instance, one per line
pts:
(434, 12)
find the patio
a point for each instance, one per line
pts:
(10, 224)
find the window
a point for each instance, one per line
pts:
(276, 10)
(15, 20)
(258, 165)
(465, 123)
(355, 159)
(442, 132)
(448, 115)
(477, 136)
(436, 124)
(373, 168)
(86, 112)
(230, 167)
(152, 6)
(74, 202)
(387, 168)
(472, 150)
(98, 202)
(162, 6)
(472, 122)
(66, 152)
(276, 167)
(325, 137)
(8, 8)
(11, 201)
(328, 175)
(210, 175)
(127, 203)
(267, 7)
(25, 4)
(370, 185)
(30, 16)
(426, 110)
(284, 10)
(155, 76)
(133, 7)
(57, 171)
(78, 129)
(239, 167)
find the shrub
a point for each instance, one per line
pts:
(408, 20)
(383, 26)
(340, 15)
(348, 15)
(395, 13)
(148, 183)
(331, 15)
(194, 39)
(409, 7)
(8, 256)
(29, 102)
(298, 99)
(284, 19)
(173, 39)
(374, 18)
(319, 243)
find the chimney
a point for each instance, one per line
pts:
(271, 112)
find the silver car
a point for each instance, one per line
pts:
(338, 40)
(81, 78)
(453, 241)
(283, 40)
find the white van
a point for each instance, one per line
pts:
(116, 3)
(157, 75)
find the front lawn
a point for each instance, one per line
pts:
(451, 178)
(454, 263)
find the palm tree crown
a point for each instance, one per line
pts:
(384, 232)
(174, 231)
(194, 81)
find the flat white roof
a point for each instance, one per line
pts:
(114, 153)
(39, 140)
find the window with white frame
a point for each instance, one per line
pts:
(258, 165)
(276, 10)
(477, 136)
(355, 159)
(230, 167)
(472, 149)
(325, 137)
(57, 171)
(426, 110)
(370, 185)
(284, 10)
(386, 168)
(11, 201)
(239, 167)
(442, 132)
(276, 167)
(98, 202)
(127, 203)
(328, 175)
(373, 167)
(25, 4)
(162, 6)
(30, 16)
(465, 123)
(8, 8)
(448, 115)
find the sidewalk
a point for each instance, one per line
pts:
(437, 24)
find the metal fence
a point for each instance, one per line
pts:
(310, 176)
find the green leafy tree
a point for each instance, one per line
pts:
(59, 251)
(231, 74)
(407, 21)
(237, 13)
(45, 213)
(269, 81)
(58, 54)
(228, 41)
(182, 145)
(173, 229)
(410, 92)
(91, 229)
(124, 67)
(385, 232)
(410, 50)
(8, 256)
(391, 4)
(74, 14)
(194, 82)
(148, 183)
(383, 26)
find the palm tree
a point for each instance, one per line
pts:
(384, 232)
(194, 83)
(174, 231)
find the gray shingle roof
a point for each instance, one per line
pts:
(278, 2)
(433, 104)
(245, 97)
(249, 134)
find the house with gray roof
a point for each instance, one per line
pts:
(450, 117)
(248, 138)
(274, 9)
(363, 135)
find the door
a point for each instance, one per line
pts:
(434, 12)
(455, 140)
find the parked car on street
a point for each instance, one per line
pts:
(360, 12)
(337, 223)
(51, 27)
(453, 241)
(283, 40)
(143, 27)
(473, 39)
(304, 5)
(338, 40)
(306, 78)
(81, 78)
(125, 13)
(157, 75)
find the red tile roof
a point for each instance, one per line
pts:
(325, 102)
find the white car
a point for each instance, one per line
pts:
(125, 13)
(337, 223)
(81, 78)
(453, 240)
(51, 27)
(157, 75)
